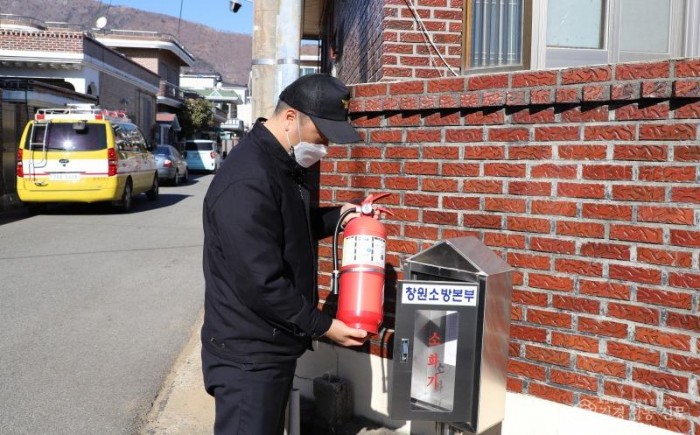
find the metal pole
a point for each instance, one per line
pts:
(276, 45)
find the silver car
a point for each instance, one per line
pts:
(172, 167)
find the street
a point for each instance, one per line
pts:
(94, 308)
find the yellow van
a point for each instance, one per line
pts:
(81, 153)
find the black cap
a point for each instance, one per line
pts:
(325, 100)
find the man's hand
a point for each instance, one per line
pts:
(348, 218)
(345, 335)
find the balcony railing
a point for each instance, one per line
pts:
(169, 90)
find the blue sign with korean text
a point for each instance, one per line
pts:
(438, 293)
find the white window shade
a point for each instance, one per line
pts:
(496, 33)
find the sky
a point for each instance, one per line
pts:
(212, 13)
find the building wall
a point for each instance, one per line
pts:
(359, 39)
(121, 95)
(587, 182)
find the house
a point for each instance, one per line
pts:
(562, 134)
(52, 64)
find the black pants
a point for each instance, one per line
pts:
(250, 398)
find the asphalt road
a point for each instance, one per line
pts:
(94, 308)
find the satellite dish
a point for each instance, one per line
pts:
(101, 22)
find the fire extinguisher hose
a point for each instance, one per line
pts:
(336, 233)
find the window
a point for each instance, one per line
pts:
(497, 32)
(589, 32)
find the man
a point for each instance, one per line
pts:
(259, 261)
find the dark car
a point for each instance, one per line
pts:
(172, 167)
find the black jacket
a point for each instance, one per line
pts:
(261, 296)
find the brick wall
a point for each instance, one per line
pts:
(24, 40)
(587, 182)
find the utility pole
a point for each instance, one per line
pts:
(276, 47)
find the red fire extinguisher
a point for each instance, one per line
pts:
(361, 298)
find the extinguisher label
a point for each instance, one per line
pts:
(367, 250)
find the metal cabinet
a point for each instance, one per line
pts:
(451, 336)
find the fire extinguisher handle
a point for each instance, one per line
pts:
(384, 210)
(375, 197)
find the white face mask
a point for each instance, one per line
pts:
(307, 153)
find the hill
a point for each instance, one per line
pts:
(227, 53)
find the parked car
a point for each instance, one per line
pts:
(202, 155)
(171, 165)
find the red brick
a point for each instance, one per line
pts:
(418, 168)
(484, 152)
(578, 305)
(503, 240)
(671, 215)
(686, 89)
(514, 385)
(490, 81)
(684, 363)
(528, 370)
(608, 132)
(687, 153)
(542, 96)
(634, 313)
(667, 132)
(440, 217)
(534, 79)
(684, 280)
(540, 262)
(656, 89)
(529, 152)
(440, 152)
(580, 229)
(683, 321)
(585, 75)
(672, 174)
(386, 136)
(482, 117)
(421, 232)
(635, 274)
(578, 114)
(529, 298)
(634, 353)
(533, 225)
(508, 205)
(685, 194)
(579, 267)
(464, 135)
(659, 379)
(682, 405)
(482, 220)
(420, 200)
(460, 169)
(688, 109)
(442, 118)
(607, 211)
(583, 152)
(399, 183)
(636, 233)
(528, 333)
(625, 91)
(639, 193)
(604, 367)
(452, 84)
(530, 115)
(633, 394)
(655, 70)
(550, 393)
(574, 380)
(557, 133)
(550, 282)
(439, 185)
(508, 134)
(664, 297)
(558, 246)
(596, 92)
(482, 186)
(372, 182)
(604, 289)
(530, 188)
(602, 327)
(666, 258)
(685, 238)
(460, 203)
(403, 119)
(548, 355)
(401, 152)
(606, 250)
(370, 90)
(555, 208)
(657, 337)
(504, 170)
(636, 112)
(688, 68)
(568, 95)
(551, 170)
(580, 190)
